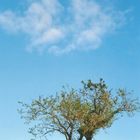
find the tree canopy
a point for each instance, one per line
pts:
(78, 114)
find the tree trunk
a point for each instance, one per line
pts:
(88, 137)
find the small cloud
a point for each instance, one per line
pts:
(57, 28)
(51, 36)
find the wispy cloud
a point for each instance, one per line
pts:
(58, 28)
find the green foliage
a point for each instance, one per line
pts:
(78, 113)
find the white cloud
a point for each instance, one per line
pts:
(82, 25)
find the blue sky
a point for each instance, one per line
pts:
(45, 44)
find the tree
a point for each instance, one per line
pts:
(78, 114)
(52, 114)
(102, 107)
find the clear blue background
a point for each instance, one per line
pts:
(24, 76)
